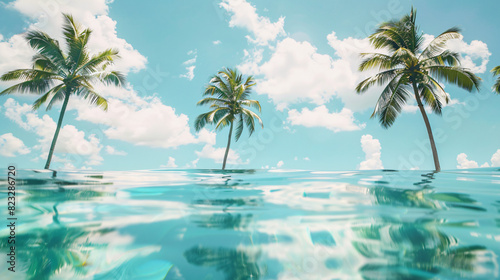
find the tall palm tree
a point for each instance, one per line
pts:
(496, 72)
(410, 66)
(57, 74)
(229, 93)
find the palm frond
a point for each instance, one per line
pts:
(114, 78)
(99, 61)
(379, 78)
(239, 127)
(211, 100)
(210, 117)
(224, 121)
(496, 72)
(45, 45)
(94, 98)
(253, 115)
(386, 36)
(28, 74)
(430, 97)
(56, 97)
(447, 57)
(373, 60)
(437, 44)
(78, 54)
(251, 103)
(391, 102)
(455, 75)
(40, 101)
(31, 86)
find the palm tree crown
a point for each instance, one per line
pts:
(407, 65)
(57, 75)
(229, 93)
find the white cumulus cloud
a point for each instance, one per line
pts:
(321, 117)
(372, 149)
(217, 155)
(10, 146)
(464, 163)
(148, 123)
(170, 163)
(190, 66)
(113, 151)
(495, 159)
(244, 15)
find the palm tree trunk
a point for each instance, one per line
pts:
(228, 144)
(428, 126)
(56, 134)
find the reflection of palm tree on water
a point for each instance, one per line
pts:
(236, 264)
(43, 252)
(415, 248)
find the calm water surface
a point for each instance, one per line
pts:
(254, 224)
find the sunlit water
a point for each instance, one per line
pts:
(205, 224)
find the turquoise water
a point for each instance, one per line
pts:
(254, 224)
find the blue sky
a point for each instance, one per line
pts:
(304, 56)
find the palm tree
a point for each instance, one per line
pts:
(57, 75)
(411, 67)
(229, 93)
(496, 72)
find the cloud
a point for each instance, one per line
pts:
(296, 73)
(190, 73)
(251, 60)
(217, 155)
(10, 146)
(244, 15)
(190, 66)
(320, 117)
(147, 122)
(192, 164)
(216, 42)
(112, 151)
(170, 163)
(372, 149)
(495, 159)
(14, 54)
(70, 141)
(464, 163)
(474, 56)
(485, 165)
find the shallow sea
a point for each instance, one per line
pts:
(254, 224)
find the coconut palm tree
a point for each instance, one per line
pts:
(496, 72)
(406, 65)
(58, 75)
(229, 93)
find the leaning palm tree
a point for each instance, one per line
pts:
(57, 74)
(496, 72)
(229, 93)
(410, 66)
